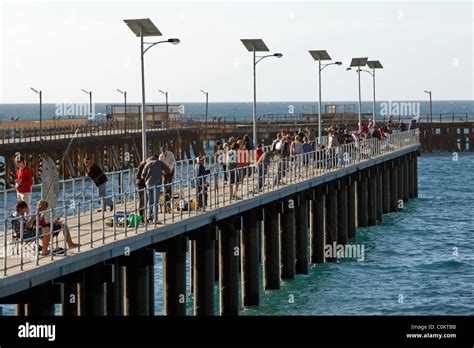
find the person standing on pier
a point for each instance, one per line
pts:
(260, 164)
(94, 172)
(168, 158)
(233, 171)
(23, 180)
(141, 186)
(153, 176)
(200, 172)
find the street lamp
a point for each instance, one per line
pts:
(207, 101)
(431, 106)
(40, 94)
(257, 45)
(142, 28)
(166, 98)
(358, 62)
(320, 55)
(90, 100)
(124, 93)
(373, 64)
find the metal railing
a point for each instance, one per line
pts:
(446, 117)
(186, 196)
(121, 127)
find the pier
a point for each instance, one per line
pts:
(308, 203)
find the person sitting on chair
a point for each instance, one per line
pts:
(19, 216)
(55, 226)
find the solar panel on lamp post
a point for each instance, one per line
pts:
(319, 55)
(144, 27)
(374, 64)
(359, 62)
(256, 45)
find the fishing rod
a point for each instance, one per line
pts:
(63, 158)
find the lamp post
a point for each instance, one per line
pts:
(90, 100)
(40, 94)
(143, 28)
(124, 93)
(359, 62)
(166, 99)
(373, 64)
(320, 55)
(207, 103)
(256, 45)
(431, 106)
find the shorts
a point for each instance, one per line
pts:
(235, 176)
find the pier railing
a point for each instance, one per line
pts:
(138, 210)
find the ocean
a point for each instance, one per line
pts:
(241, 110)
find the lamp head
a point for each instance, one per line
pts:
(338, 63)
(174, 41)
(278, 55)
(348, 69)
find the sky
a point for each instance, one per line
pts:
(61, 47)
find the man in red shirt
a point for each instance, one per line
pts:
(23, 180)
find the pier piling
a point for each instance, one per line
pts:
(362, 196)
(137, 298)
(271, 247)
(301, 234)
(317, 231)
(351, 208)
(93, 292)
(174, 277)
(372, 197)
(400, 176)
(393, 185)
(204, 270)
(386, 188)
(229, 265)
(379, 193)
(249, 242)
(331, 219)
(287, 238)
(342, 230)
(406, 176)
(40, 301)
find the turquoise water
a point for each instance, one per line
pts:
(417, 262)
(410, 265)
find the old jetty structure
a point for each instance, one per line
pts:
(281, 221)
(116, 141)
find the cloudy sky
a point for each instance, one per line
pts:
(63, 46)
